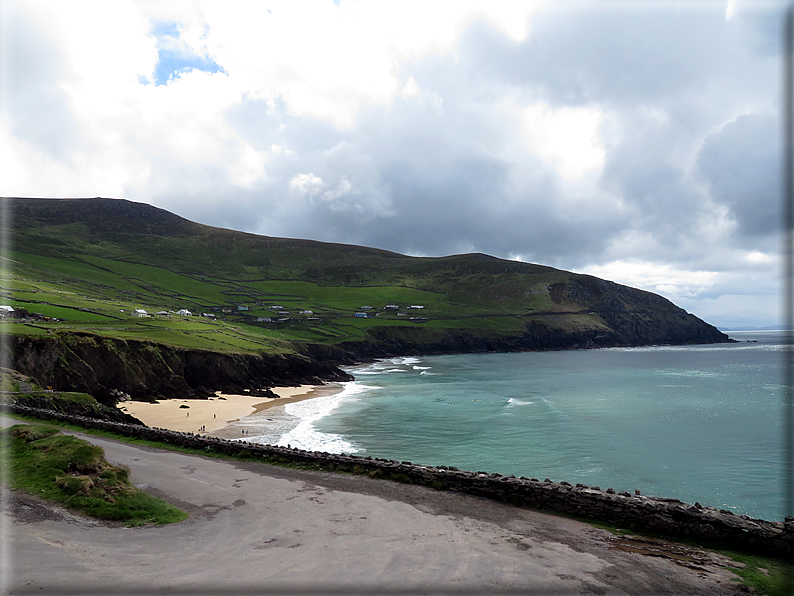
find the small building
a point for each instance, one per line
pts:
(208, 315)
(417, 307)
(183, 312)
(139, 312)
(6, 311)
(365, 308)
(360, 315)
(307, 313)
(162, 313)
(263, 319)
(277, 307)
(391, 307)
(242, 307)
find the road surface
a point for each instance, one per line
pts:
(260, 529)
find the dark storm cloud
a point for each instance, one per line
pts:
(742, 165)
(443, 169)
(427, 178)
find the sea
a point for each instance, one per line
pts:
(698, 423)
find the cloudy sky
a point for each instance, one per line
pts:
(636, 141)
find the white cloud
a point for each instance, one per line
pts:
(662, 278)
(306, 185)
(566, 138)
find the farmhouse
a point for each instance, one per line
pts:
(183, 312)
(139, 312)
(6, 311)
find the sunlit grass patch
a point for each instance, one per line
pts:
(76, 474)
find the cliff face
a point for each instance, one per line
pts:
(102, 367)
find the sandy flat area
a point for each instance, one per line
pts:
(215, 413)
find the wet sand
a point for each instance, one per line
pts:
(213, 415)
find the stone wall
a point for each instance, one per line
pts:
(668, 517)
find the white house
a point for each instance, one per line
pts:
(5, 311)
(183, 312)
(307, 313)
(139, 312)
(263, 319)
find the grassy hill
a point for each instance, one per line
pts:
(91, 262)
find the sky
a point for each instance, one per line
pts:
(636, 141)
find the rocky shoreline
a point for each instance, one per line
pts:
(107, 368)
(668, 517)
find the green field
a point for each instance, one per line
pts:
(96, 294)
(90, 263)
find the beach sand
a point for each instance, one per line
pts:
(215, 413)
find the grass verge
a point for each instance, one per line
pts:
(764, 574)
(74, 473)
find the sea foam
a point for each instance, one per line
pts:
(305, 436)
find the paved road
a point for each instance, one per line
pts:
(259, 529)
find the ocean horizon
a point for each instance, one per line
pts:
(699, 423)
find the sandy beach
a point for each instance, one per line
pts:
(216, 413)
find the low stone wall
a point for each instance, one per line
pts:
(669, 517)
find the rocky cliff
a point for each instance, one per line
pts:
(103, 367)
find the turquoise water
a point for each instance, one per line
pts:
(698, 423)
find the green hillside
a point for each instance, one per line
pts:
(90, 262)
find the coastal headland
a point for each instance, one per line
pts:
(111, 296)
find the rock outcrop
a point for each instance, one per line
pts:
(102, 367)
